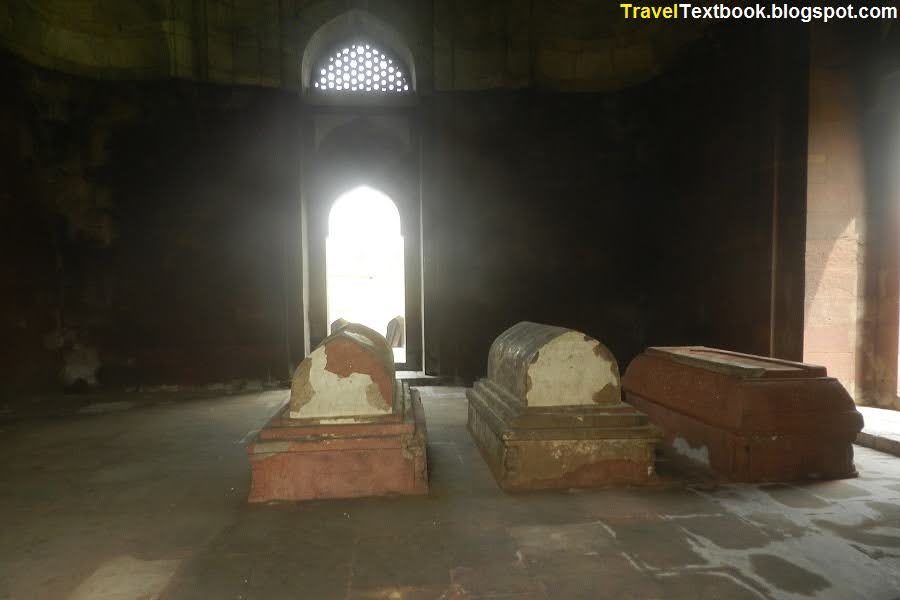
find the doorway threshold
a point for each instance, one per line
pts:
(881, 430)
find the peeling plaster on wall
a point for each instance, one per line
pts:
(699, 455)
(81, 366)
(126, 222)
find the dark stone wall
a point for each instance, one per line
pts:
(544, 211)
(29, 257)
(151, 228)
(144, 230)
(646, 217)
(879, 74)
(732, 130)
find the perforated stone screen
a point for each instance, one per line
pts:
(361, 67)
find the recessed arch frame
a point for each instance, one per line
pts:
(362, 152)
(356, 26)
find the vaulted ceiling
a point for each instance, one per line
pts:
(564, 45)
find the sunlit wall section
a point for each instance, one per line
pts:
(835, 225)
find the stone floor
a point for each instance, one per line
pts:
(143, 499)
(882, 430)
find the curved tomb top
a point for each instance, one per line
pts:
(367, 335)
(337, 324)
(351, 373)
(543, 365)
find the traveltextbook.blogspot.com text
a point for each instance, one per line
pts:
(775, 11)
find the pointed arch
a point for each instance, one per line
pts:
(354, 26)
(355, 210)
(360, 66)
(365, 279)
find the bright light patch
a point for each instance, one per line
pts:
(364, 262)
(357, 63)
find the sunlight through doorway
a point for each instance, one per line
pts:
(364, 265)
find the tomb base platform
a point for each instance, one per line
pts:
(531, 448)
(743, 417)
(307, 459)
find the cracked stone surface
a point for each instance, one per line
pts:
(149, 502)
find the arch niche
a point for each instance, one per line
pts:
(355, 26)
(364, 265)
(356, 140)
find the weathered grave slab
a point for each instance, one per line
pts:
(550, 415)
(746, 417)
(350, 428)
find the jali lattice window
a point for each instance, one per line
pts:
(361, 67)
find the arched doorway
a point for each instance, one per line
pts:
(364, 265)
(365, 141)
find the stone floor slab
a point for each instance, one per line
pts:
(166, 484)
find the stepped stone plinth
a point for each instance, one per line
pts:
(549, 413)
(350, 428)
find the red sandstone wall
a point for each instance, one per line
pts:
(835, 226)
(852, 248)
